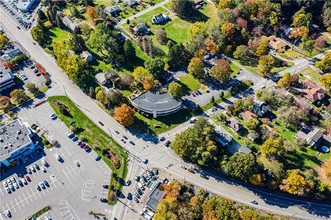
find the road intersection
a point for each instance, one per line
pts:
(158, 155)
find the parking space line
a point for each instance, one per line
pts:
(22, 201)
(12, 206)
(43, 191)
(39, 194)
(34, 194)
(30, 197)
(16, 203)
(8, 208)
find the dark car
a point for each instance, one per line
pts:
(101, 123)
(204, 176)
(19, 27)
(72, 122)
(117, 132)
(97, 158)
(131, 142)
(190, 170)
(125, 137)
(88, 149)
(46, 183)
(103, 200)
(129, 197)
(162, 139)
(105, 186)
(254, 202)
(167, 144)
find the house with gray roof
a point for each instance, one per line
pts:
(113, 10)
(154, 199)
(69, 22)
(311, 138)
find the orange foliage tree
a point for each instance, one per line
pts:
(91, 13)
(148, 83)
(172, 191)
(125, 115)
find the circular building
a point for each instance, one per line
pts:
(156, 104)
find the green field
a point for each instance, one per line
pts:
(96, 138)
(311, 75)
(58, 34)
(189, 83)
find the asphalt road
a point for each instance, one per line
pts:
(158, 155)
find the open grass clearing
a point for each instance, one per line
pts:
(95, 136)
(57, 34)
(189, 83)
(311, 74)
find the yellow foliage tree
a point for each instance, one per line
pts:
(211, 46)
(125, 115)
(296, 183)
(256, 179)
(326, 170)
(148, 83)
(285, 81)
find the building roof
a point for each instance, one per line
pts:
(159, 18)
(13, 136)
(260, 108)
(314, 135)
(248, 115)
(235, 124)
(131, 2)
(154, 199)
(156, 103)
(25, 5)
(5, 74)
(112, 9)
(276, 43)
(100, 78)
(313, 92)
(310, 84)
(86, 55)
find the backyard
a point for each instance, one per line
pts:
(95, 137)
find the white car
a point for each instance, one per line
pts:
(24, 181)
(53, 116)
(5, 184)
(16, 185)
(43, 169)
(77, 163)
(32, 168)
(44, 162)
(57, 157)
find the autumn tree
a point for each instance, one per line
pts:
(228, 29)
(175, 90)
(296, 183)
(291, 116)
(5, 103)
(172, 191)
(183, 8)
(139, 73)
(320, 42)
(195, 68)
(37, 34)
(266, 63)
(294, 78)
(262, 48)
(18, 96)
(33, 88)
(3, 40)
(91, 13)
(197, 29)
(161, 36)
(242, 166)
(285, 81)
(326, 81)
(215, 207)
(222, 70)
(249, 214)
(125, 115)
(299, 32)
(325, 63)
(301, 18)
(326, 170)
(225, 4)
(271, 148)
(211, 46)
(252, 123)
(148, 82)
(327, 16)
(243, 54)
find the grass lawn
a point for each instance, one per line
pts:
(210, 11)
(235, 69)
(286, 133)
(160, 125)
(58, 34)
(311, 74)
(96, 138)
(290, 54)
(189, 83)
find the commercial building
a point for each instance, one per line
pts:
(15, 143)
(154, 199)
(26, 5)
(156, 104)
(6, 78)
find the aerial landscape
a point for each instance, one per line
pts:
(165, 109)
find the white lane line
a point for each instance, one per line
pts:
(30, 197)
(43, 191)
(34, 194)
(12, 205)
(21, 201)
(8, 208)
(39, 194)
(17, 203)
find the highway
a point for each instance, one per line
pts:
(158, 155)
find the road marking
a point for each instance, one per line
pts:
(16, 203)
(12, 205)
(21, 201)
(30, 197)
(8, 208)
(34, 194)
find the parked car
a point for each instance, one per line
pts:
(28, 178)
(5, 184)
(24, 181)
(167, 144)
(193, 94)
(77, 163)
(204, 176)
(97, 158)
(20, 182)
(72, 122)
(128, 182)
(32, 168)
(145, 161)
(125, 137)
(131, 142)
(37, 166)
(46, 183)
(53, 116)
(254, 202)
(190, 170)
(38, 187)
(105, 186)
(103, 200)
(41, 184)
(43, 169)
(129, 196)
(58, 157)
(102, 124)
(162, 139)
(8, 214)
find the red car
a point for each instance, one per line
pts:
(190, 170)
(193, 94)
(28, 178)
(85, 146)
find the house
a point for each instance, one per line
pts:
(248, 115)
(10, 54)
(160, 19)
(313, 93)
(235, 124)
(100, 78)
(277, 43)
(260, 109)
(222, 138)
(198, 4)
(131, 3)
(86, 56)
(113, 10)
(140, 30)
(69, 22)
(311, 138)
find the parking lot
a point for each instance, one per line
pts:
(73, 190)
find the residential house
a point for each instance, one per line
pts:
(86, 56)
(277, 43)
(140, 30)
(260, 109)
(311, 138)
(160, 19)
(222, 138)
(131, 3)
(235, 124)
(198, 4)
(10, 54)
(100, 78)
(69, 22)
(246, 115)
(313, 92)
(113, 10)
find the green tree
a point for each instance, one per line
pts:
(18, 96)
(129, 51)
(41, 15)
(175, 90)
(222, 70)
(252, 123)
(266, 63)
(183, 8)
(33, 88)
(195, 68)
(325, 63)
(37, 34)
(155, 67)
(175, 51)
(3, 40)
(285, 81)
(221, 95)
(271, 148)
(242, 166)
(78, 43)
(139, 73)
(241, 51)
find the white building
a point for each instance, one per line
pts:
(6, 78)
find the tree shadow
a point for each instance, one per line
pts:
(197, 16)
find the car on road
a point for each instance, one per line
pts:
(103, 200)
(204, 176)
(145, 161)
(97, 158)
(190, 170)
(117, 132)
(167, 144)
(77, 163)
(125, 137)
(18, 27)
(105, 186)
(123, 141)
(53, 116)
(102, 124)
(254, 202)
(38, 188)
(162, 139)
(28, 178)
(44, 162)
(131, 142)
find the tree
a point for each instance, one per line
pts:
(5, 103)
(215, 207)
(266, 63)
(155, 67)
(175, 90)
(197, 29)
(212, 100)
(33, 88)
(78, 43)
(148, 82)
(3, 40)
(183, 8)
(225, 4)
(161, 36)
(320, 42)
(285, 81)
(299, 32)
(175, 51)
(18, 96)
(242, 166)
(222, 70)
(37, 34)
(41, 15)
(139, 73)
(325, 170)
(249, 214)
(325, 63)
(228, 29)
(129, 51)
(242, 53)
(291, 116)
(327, 16)
(302, 19)
(195, 68)
(252, 123)
(308, 45)
(271, 148)
(221, 95)
(125, 115)
(262, 49)
(326, 81)
(172, 191)
(74, 12)
(91, 13)
(296, 183)
(294, 78)
(211, 46)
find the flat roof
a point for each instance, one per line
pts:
(155, 101)
(13, 136)
(5, 74)
(154, 199)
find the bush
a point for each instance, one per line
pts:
(82, 138)
(73, 129)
